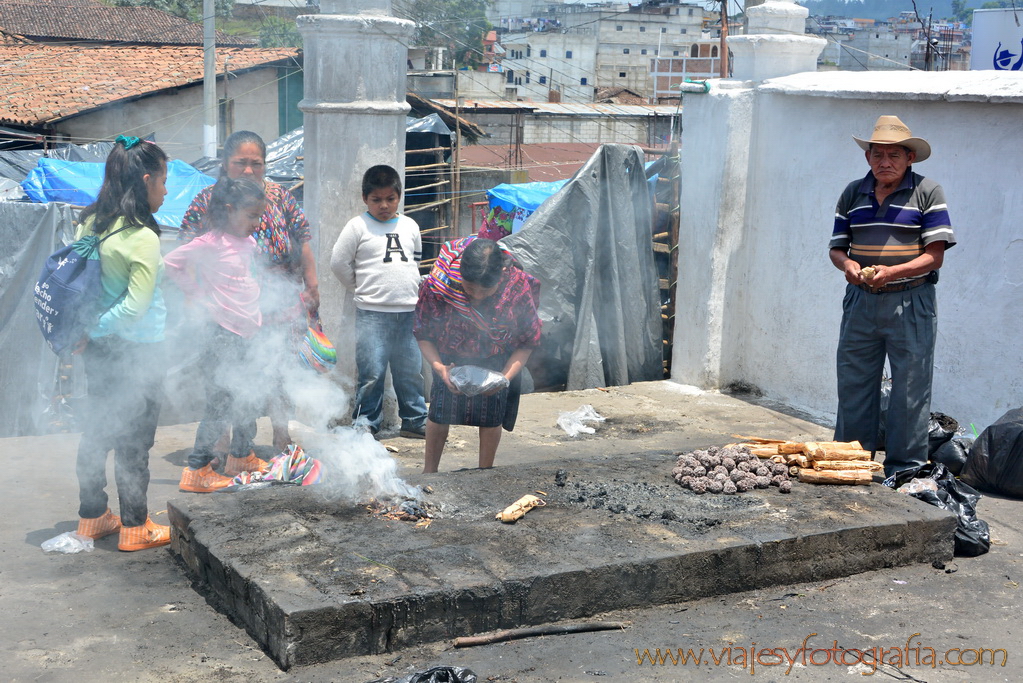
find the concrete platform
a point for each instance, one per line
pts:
(314, 580)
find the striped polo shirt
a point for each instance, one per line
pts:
(912, 216)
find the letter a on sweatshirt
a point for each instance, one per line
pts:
(393, 245)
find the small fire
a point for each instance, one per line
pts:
(404, 511)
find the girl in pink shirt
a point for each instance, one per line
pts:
(215, 272)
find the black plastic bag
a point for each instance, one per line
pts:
(438, 674)
(940, 428)
(972, 536)
(996, 459)
(953, 453)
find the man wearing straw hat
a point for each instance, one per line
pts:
(891, 232)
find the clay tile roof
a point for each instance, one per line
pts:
(43, 83)
(88, 20)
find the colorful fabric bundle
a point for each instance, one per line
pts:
(316, 351)
(293, 465)
(445, 279)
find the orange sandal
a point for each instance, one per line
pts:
(144, 536)
(98, 527)
(249, 463)
(203, 480)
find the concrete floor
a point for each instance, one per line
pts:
(110, 616)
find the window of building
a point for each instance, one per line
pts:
(582, 81)
(621, 74)
(542, 79)
(625, 51)
(714, 51)
(690, 12)
(694, 51)
(642, 29)
(529, 51)
(543, 53)
(527, 77)
(568, 54)
(664, 29)
(510, 78)
(682, 31)
(642, 52)
(674, 53)
(618, 28)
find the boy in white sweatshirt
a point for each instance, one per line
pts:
(377, 258)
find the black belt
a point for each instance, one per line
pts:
(898, 286)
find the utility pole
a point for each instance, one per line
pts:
(456, 185)
(723, 50)
(929, 48)
(209, 80)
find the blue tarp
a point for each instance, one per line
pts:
(527, 196)
(511, 205)
(78, 183)
(515, 203)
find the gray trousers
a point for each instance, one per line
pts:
(901, 326)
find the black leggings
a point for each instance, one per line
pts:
(122, 409)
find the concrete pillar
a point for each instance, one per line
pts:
(774, 44)
(354, 105)
(716, 142)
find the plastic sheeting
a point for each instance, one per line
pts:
(28, 369)
(511, 205)
(16, 164)
(428, 124)
(79, 182)
(590, 247)
(284, 156)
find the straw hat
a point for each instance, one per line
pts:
(889, 130)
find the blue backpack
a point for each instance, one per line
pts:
(68, 292)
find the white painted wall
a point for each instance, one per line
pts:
(485, 85)
(545, 56)
(762, 168)
(177, 118)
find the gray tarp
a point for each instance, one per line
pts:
(590, 246)
(28, 369)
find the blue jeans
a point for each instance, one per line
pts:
(382, 339)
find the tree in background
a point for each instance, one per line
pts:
(277, 32)
(458, 25)
(962, 10)
(186, 9)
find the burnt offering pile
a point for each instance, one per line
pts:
(731, 469)
(408, 510)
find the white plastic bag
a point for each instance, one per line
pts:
(918, 485)
(573, 421)
(68, 542)
(472, 379)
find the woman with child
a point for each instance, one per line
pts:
(289, 281)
